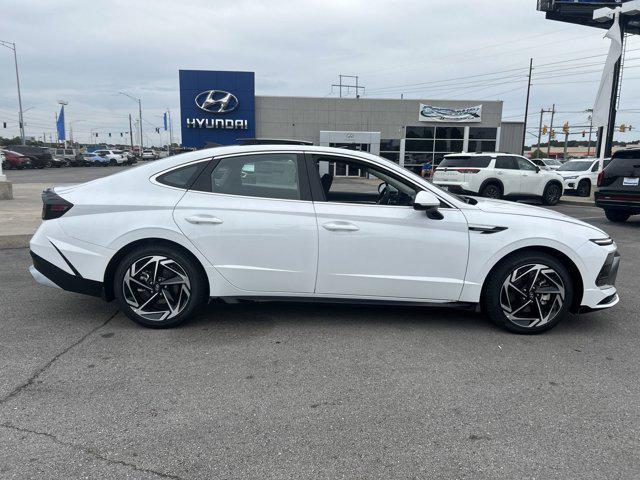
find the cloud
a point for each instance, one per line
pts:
(85, 52)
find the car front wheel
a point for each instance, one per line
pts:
(552, 194)
(528, 293)
(159, 287)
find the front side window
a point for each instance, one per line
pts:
(524, 164)
(350, 181)
(271, 175)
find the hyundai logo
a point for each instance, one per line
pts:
(216, 101)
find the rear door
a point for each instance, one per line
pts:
(508, 173)
(252, 217)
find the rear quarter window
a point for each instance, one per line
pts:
(466, 161)
(182, 177)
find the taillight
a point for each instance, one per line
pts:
(53, 205)
(467, 170)
(600, 178)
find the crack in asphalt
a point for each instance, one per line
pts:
(46, 366)
(91, 452)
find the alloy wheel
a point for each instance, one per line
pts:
(532, 295)
(156, 287)
(553, 194)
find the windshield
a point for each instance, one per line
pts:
(575, 166)
(553, 162)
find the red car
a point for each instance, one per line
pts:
(14, 160)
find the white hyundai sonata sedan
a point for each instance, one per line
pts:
(278, 222)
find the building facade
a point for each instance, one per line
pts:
(408, 132)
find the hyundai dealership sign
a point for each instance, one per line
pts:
(216, 107)
(429, 113)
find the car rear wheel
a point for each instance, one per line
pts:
(584, 188)
(528, 293)
(552, 194)
(159, 287)
(491, 190)
(618, 216)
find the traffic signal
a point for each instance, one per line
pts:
(4, 124)
(565, 128)
(584, 133)
(544, 130)
(109, 134)
(623, 128)
(553, 133)
(157, 130)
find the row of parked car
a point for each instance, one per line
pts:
(27, 156)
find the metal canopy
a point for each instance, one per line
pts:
(581, 13)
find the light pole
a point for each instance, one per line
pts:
(71, 130)
(12, 46)
(139, 115)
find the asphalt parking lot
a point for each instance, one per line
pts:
(320, 392)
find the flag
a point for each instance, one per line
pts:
(603, 99)
(60, 124)
(164, 118)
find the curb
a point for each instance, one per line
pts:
(579, 203)
(14, 241)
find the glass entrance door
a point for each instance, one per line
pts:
(340, 169)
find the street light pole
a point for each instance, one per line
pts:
(139, 116)
(12, 46)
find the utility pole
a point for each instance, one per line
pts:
(540, 128)
(590, 110)
(170, 129)
(553, 112)
(566, 141)
(131, 133)
(526, 107)
(347, 86)
(140, 117)
(12, 46)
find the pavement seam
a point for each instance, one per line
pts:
(90, 451)
(46, 366)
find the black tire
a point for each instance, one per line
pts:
(112, 162)
(197, 286)
(493, 294)
(491, 190)
(618, 216)
(48, 164)
(584, 188)
(552, 193)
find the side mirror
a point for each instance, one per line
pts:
(428, 202)
(537, 169)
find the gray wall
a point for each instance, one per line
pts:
(302, 118)
(511, 137)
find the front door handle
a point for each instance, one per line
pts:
(198, 219)
(341, 227)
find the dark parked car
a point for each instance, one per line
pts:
(619, 186)
(13, 160)
(40, 157)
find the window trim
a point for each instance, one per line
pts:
(317, 192)
(303, 181)
(153, 178)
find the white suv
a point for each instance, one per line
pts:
(497, 175)
(115, 157)
(580, 176)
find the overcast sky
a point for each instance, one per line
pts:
(85, 52)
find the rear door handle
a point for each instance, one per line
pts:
(198, 219)
(341, 227)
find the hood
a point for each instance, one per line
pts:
(522, 209)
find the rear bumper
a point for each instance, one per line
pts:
(48, 274)
(617, 200)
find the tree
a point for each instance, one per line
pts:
(537, 153)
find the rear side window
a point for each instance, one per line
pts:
(181, 177)
(266, 175)
(508, 163)
(464, 161)
(624, 163)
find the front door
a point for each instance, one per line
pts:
(509, 173)
(252, 218)
(372, 243)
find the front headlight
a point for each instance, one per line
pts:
(603, 242)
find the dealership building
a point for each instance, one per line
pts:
(222, 108)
